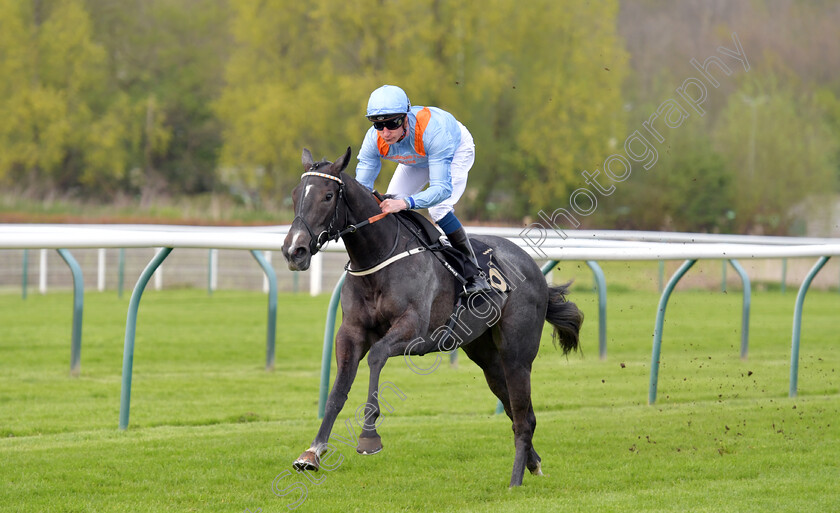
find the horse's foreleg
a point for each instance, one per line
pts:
(394, 343)
(348, 354)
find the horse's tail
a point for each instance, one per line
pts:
(565, 316)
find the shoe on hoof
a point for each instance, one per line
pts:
(368, 446)
(306, 461)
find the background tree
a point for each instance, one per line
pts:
(779, 150)
(567, 112)
(689, 188)
(164, 69)
(51, 98)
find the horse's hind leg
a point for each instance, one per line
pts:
(485, 354)
(369, 440)
(519, 386)
(518, 342)
(534, 461)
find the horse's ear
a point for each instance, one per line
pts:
(307, 160)
(341, 162)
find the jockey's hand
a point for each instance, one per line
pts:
(391, 206)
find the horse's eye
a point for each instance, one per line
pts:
(329, 196)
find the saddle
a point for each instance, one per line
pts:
(458, 263)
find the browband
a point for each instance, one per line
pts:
(322, 175)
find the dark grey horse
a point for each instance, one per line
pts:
(407, 308)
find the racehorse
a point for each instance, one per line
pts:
(406, 307)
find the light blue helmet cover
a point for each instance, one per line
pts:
(387, 101)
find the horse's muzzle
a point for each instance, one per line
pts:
(297, 255)
(298, 259)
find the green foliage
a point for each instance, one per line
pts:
(52, 80)
(151, 98)
(93, 89)
(779, 150)
(569, 104)
(688, 189)
(536, 115)
(164, 66)
(827, 102)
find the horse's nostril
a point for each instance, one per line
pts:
(299, 253)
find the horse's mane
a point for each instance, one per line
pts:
(352, 182)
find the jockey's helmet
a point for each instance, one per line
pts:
(387, 102)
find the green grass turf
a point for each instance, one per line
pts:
(211, 430)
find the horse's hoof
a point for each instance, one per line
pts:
(368, 446)
(537, 471)
(307, 461)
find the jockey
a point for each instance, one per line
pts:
(430, 147)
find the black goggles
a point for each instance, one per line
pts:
(390, 124)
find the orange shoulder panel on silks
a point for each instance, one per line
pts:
(423, 118)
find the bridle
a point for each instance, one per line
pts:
(316, 243)
(332, 233)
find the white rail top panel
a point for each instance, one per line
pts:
(26, 236)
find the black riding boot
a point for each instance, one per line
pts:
(461, 242)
